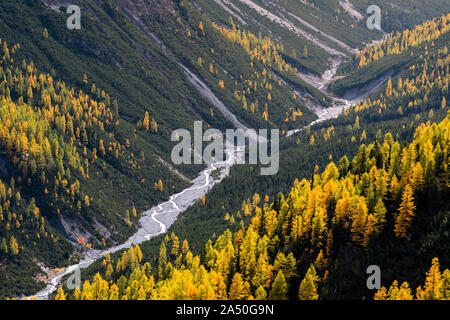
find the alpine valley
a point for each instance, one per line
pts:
(90, 194)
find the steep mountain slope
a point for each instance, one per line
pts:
(402, 50)
(115, 92)
(400, 106)
(398, 113)
(399, 15)
(371, 210)
(87, 115)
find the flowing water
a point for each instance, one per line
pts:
(158, 219)
(155, 221)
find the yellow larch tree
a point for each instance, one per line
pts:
(405, 213)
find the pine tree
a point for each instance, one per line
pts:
(381, 294)
(260, 293)
(13, 246)
(279, 288)
(115, 108)
(389, 88)
(146, 122)
(154, 126)
(394, 188)
(109, 271)
(370, 229)
(404, 293)
(405, 213)
(321, 262)
(307, 289)
(359, 222)
(237, 288)
(185, 247)
(380, 216)
(200, 26)
(175, 246)
(311, 140)
(433, 289)
(417, 181)
(60, 294)
(162, 261)
(262, 274)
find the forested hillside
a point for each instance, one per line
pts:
(423, 96)
(86, 119)
(57, 145)
(316, 241)
(251, 84)
(398, 15)
(393, 56)
(317, 237)
(83, 109)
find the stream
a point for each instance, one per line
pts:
(159, 218)
(155, 221)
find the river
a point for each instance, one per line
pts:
(159, 218)
(155, 221)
